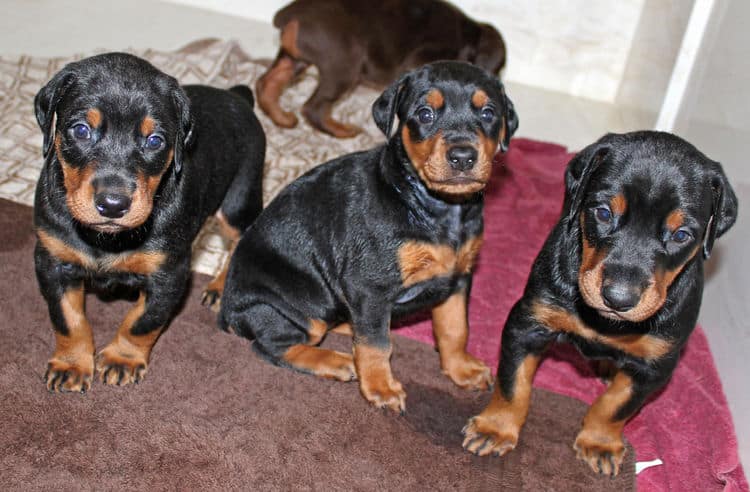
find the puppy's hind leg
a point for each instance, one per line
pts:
(292, 344)
(285, 68)
(241, 206)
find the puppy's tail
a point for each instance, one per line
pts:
(245, 93)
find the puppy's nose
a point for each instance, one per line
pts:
(112, 205)
(462, 157)
(620, 296)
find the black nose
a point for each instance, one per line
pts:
(620, 296)
(112, 205)
(462, 158)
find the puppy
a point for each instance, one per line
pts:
(133, 167)
(378, 234)
(367, 42)
(620, 277)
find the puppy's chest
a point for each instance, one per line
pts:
(143, 262)
(420, 261)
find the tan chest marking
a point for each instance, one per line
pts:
(644, 346)
(419, 261)
(142, 262)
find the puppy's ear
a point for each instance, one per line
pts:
(46, 101)
(385, 107)
(577, 176)
(510, 121)
(184, 127)
(723, 208)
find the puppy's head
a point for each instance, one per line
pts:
(647, 204)
(114, 124)
(452, 118)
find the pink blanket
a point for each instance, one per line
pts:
(687, 425)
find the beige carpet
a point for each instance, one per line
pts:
(218, 63)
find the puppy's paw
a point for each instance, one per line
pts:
(211, 298)
(118, 367)
(490, 434)
(70, 375)
(470, 373)
(385, 393)
(604, 453)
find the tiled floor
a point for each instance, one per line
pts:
(52, 27)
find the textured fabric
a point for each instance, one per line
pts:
(211, 415)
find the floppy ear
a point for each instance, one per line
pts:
(510, 121)
(385, 107)
(184, 129)
(723, 208)
(577, 176)
(46, 101)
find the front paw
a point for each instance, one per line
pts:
(211, 298)
(70, 376)
(470, 373)
(118, 368)
(491, 434)
(385, 393)
(604, 453)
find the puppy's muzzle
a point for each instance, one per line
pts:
(111, 197)
(622, 287)
(461, 157)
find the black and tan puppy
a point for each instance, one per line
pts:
(367, 42)
(133, 167)
(378, 234)
(620, 277)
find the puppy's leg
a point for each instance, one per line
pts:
(497, 428)
(242, 204)
(450, 326)
(71, 367)
(285, 68)
(125, 359)
(212, 294)
(372, 354)
(335, 81)
(600, 443)
(272, 84)
(289, 343)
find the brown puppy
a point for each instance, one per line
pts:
(369, 42)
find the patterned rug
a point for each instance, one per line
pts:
(218, 63)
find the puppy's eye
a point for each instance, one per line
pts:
(154, 142)
(488, 114)
(603, 215)
(81, 132)
(681, 236)
(425, 116)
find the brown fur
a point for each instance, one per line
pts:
(645, 346)
(367, 42)
(601, 433)
(321, 362)
(377, 383)
(74, 351)
(503, 418)
(125, 359)
(450, 326)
